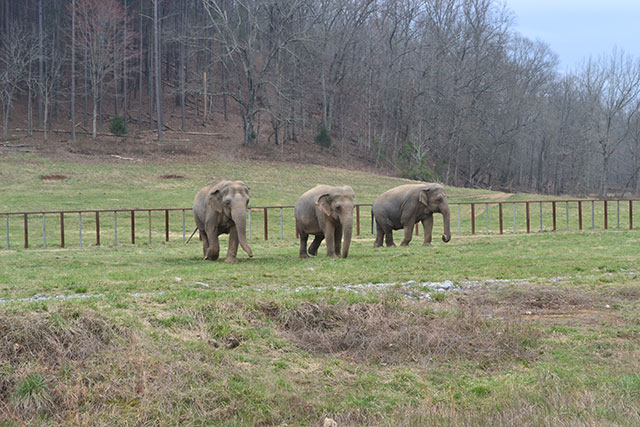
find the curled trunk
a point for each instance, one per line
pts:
(447, 231)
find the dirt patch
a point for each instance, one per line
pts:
(53, 177)
(534, 299)
(392, 333)
(171, 176)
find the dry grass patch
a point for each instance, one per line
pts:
(401, 333)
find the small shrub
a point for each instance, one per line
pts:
(412, 161)
(323, 138)
(32, 394)
(117, 126)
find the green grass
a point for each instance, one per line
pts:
(277, 340)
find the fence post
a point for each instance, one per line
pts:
(97, 228)
(115, 228)
(618, 213)
(630, 218)
(473, 219)
(44, 232)
(515, 228)
(184, 228)
(541, 228)
(26, 231)
(281, 227)
(61, 229)
(166, 225)
(80, 227)
(358, 220)
(606, 217)
(500, 215)
(593, 214)
(566, 206)
(7, 221)
(149, 226)
(459, 221)
(528, 219)
(266, 232)
(580, 215)
(486, 207)
(553, 209)
(133, 227)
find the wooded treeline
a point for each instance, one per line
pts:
(435, 89)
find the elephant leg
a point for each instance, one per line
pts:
(379, 236)
(232, 250)
(214, 247)
(313, 248)
(303, 245)
(329, 234)
(388, 237)
(337, 236)
(205, 243)
(427, 224)
(408, 233)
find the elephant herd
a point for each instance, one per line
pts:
(325, 212)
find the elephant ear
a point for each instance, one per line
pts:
(324, 204)
(425, 193)
(215, 201)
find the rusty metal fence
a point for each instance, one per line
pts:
(112, 227)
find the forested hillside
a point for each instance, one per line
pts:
(441, 89)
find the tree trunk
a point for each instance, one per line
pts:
(73, 70)
(158, 73)
(40, 62)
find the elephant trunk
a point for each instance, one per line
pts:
(347, 229)
(447, 231)
(239, 216)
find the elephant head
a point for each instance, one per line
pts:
(232, 200)
(435, 200)
(337, 204)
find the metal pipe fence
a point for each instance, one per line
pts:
(101, 226)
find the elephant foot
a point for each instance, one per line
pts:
(231, 260)
(404, 244)
(313, 252)
(426, 244)
(333, 256)
(303, 256)
(377, 245)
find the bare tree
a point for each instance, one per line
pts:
(611, 87)
(250, 43)
(17, 51)
(97, 22)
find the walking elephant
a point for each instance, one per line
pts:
(406, 205)
(221, 208)
(325, 212)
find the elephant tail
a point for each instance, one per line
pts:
(194, 232)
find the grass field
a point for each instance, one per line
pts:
(544, 332)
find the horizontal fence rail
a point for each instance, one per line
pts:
(101, 226)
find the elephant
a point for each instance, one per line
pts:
(325, 212)
(221, 208)
(405, 206)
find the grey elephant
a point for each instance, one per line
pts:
(404, 206)
(327, 213)
(221, 208)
